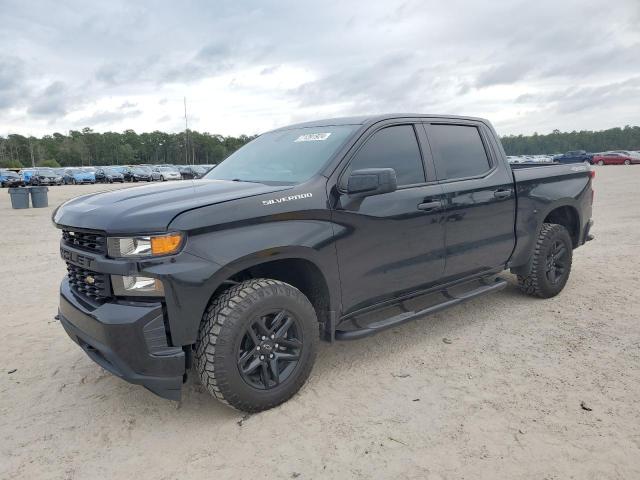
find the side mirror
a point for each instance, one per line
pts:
(372, 181)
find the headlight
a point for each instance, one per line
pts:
(144, 246)
(136, 286)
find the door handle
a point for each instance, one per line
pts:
(502, 193)
(430, 206)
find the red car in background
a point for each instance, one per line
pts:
(613, 158)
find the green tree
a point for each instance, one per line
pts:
(49, 163)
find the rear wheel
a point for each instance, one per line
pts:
(256, 344)
(551, 262)
(601, 162)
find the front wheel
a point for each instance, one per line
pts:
(601, 162)
(551, 262)
(256, 344)
(627, 162)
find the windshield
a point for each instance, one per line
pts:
(8, 173)
(283, 157)
(111, 171)
(46, 171)
(167, 169)
(142, 170)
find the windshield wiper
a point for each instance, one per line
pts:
(247, 181)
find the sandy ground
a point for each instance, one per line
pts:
(501, 400)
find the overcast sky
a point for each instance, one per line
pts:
(249, 66)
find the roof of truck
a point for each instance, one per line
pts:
(370, 119)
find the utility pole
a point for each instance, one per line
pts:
(33, 162)
(186, 134)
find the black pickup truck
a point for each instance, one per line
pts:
(329, 230)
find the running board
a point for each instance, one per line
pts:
(450, 301)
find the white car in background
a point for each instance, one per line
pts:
(168, 173)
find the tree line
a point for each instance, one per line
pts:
(86, 147)
(627, 138)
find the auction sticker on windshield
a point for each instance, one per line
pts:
(312, 137)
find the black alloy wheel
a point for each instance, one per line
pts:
(555, 265)
(270, 349)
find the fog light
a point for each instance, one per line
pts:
(136, 285)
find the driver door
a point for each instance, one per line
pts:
(393, 243)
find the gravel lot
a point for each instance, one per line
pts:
(490, 389)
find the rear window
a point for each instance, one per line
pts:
(458, 151)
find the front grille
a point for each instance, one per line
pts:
(89, 284)
(92, 242)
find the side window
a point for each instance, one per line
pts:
(392, 147)
(458, 151)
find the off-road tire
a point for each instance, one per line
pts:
(224, 324)
(536, 283)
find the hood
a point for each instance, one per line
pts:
(150, 208)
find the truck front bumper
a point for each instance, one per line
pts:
(128, 339)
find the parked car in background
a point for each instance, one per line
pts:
(75, 176)
(141, 174)
(9, 178)
(155, 176)
(26, 174)
(574, 156)
(190, 172)
(40, 176)
(628, 153)
(168, 173)
(613, 158)
(108, 175)
(125, 171)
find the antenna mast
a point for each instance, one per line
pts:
(186, 134)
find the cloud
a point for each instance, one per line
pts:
(55, 100)
(108, 117)
(601, 97)
(505, 73)
(13, 89)
(249, 66)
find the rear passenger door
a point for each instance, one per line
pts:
(480, 204)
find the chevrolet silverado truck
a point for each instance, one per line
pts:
(328, 230)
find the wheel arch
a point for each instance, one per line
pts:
(564, 212)
(569, 218)
(297, 266)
